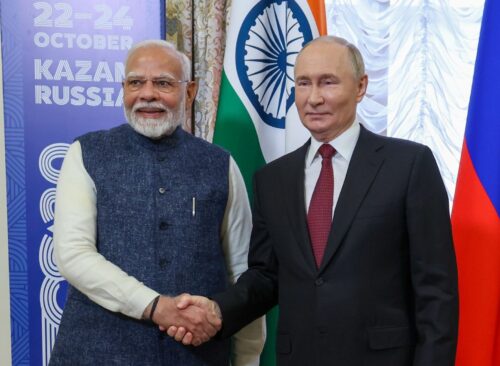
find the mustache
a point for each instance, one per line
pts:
(140, 105)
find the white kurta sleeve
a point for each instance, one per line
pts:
(75, 244)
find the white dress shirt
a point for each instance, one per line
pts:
(108, 285)
(344, 145)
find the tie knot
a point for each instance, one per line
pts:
(326, 151)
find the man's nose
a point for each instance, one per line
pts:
(315, 97)
(148, 91)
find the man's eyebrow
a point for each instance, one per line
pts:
(302, 77)
(165, 75)
(320, 77)
(134, 74)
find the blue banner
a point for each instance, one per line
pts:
(63, 67)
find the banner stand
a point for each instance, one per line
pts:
(63, 65)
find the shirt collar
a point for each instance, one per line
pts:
(344, 144)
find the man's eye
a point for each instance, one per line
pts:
(135, 82)
(329, 82)
(164, 83)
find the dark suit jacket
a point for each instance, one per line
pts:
(386, 291)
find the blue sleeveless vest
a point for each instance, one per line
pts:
(148, 226)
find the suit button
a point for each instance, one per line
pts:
(319, 281)
(162, 190)
(163, 263)
(163, 225)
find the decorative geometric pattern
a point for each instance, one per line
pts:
(47, 205)
(51, 312)
(16, 189)
(47, 157)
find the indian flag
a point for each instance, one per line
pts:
(257, 120)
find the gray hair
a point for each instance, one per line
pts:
(358, 65)
(151, 43)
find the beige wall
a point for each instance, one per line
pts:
(5, 353)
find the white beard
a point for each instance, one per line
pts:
(155, 128)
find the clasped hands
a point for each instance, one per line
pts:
(189, 319)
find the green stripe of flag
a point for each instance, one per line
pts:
(235, 131)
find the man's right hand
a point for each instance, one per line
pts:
(188, 303)
(192, 317)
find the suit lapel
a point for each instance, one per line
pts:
(293, 184)
(363, 168)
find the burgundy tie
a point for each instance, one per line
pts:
(319, 216)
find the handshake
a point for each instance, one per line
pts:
(189, 319)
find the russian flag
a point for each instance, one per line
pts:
(476, 208)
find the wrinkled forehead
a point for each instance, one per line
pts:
(153, 62)
(321, 58)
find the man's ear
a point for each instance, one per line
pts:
(191, 90)
(362, 85)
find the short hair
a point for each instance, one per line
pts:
(151, 43)
(358, 65)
